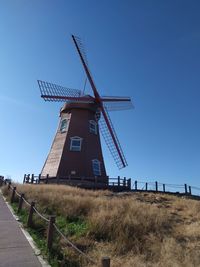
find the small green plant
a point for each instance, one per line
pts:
(76, 228)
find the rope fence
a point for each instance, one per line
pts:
(72, 245)
(52, 227)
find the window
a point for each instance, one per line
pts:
(63, 125)
(96, 167)
(75, 144)
(93, 127)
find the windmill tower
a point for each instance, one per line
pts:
(76, 149)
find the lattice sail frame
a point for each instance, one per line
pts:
(109, 141)
(81, 46)
(49, 90)
(117, 103)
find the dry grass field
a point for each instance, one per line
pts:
(134, 229)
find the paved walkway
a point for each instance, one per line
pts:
(15, 250)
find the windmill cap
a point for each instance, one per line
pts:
(77, 105)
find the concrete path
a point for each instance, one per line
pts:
(15, 250)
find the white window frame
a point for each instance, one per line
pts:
(96, 171)
(74, 147)
(93, 130)
(63, 129)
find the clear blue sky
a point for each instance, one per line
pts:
(148, 50)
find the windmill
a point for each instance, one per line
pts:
(76, 149)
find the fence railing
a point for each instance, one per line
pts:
(118, 184)
(52, 228)
(165, 188)
(121, 184)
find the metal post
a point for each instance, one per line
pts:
(20, 203)
(146, 186)
(105, 262)
(50, 231)
(13, 194)
(163, 187)
(30, 216)
(156, 186)
(136, 185)
(185, 188)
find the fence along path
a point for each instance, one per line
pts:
(15, 249)
(52, 227)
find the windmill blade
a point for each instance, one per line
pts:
(110, 137)
(117, 103)
(79, 47)
(116, 106)
(53, 92)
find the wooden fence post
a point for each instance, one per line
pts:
(32, 178)
(30, 216)
(146, 186)
(124, 182)
(27, 178)
(107, 182)
(50, 231)
(105, 262)
(47, 179)
(118, 181)
(156, 186)
(9, 184)
(136, 185)
(190, 190)
(13, 195)
(39, 178)
(185, 188)
(129, 184)
(163, 187)
(20, 203)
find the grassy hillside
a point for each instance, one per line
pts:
(134, 229)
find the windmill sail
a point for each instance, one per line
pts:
(81, 48)
(53, 92)
(85, 66)
(117, 103)
(113, 146)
